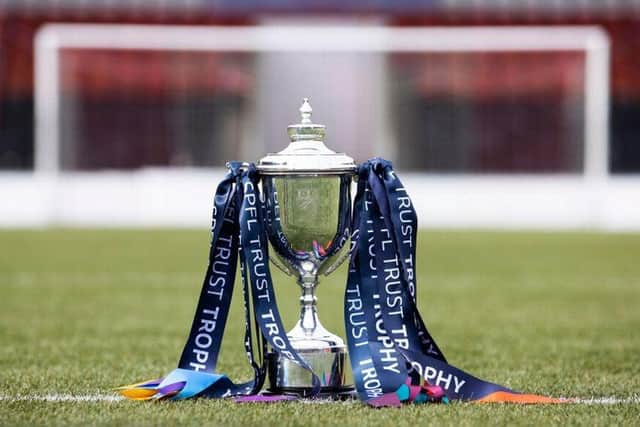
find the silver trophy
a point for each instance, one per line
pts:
(307, 188)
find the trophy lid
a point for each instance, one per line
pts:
(306, 153)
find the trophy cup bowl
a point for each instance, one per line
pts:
(307, 188)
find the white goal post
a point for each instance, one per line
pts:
(590, 40)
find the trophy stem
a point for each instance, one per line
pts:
(308, 305)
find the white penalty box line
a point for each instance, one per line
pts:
(593, 41)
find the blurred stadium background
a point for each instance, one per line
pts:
(498, 114)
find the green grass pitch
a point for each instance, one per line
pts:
(83, 311)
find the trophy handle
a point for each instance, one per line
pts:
(342, 257)
(274, 260)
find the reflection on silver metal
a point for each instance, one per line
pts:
(306, 153)
(307, 188)
(329, 365)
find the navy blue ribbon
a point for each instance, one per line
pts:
(254, 244)
(387, 338)
(238, 232)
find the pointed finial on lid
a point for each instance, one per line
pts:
(306, 154)
(305, 112)
(306, 130)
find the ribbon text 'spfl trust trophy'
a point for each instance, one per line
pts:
(307, 187)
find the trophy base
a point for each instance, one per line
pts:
(286, 377)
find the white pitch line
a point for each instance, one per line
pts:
(608, 400)
(63, 398)
(634, 400)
